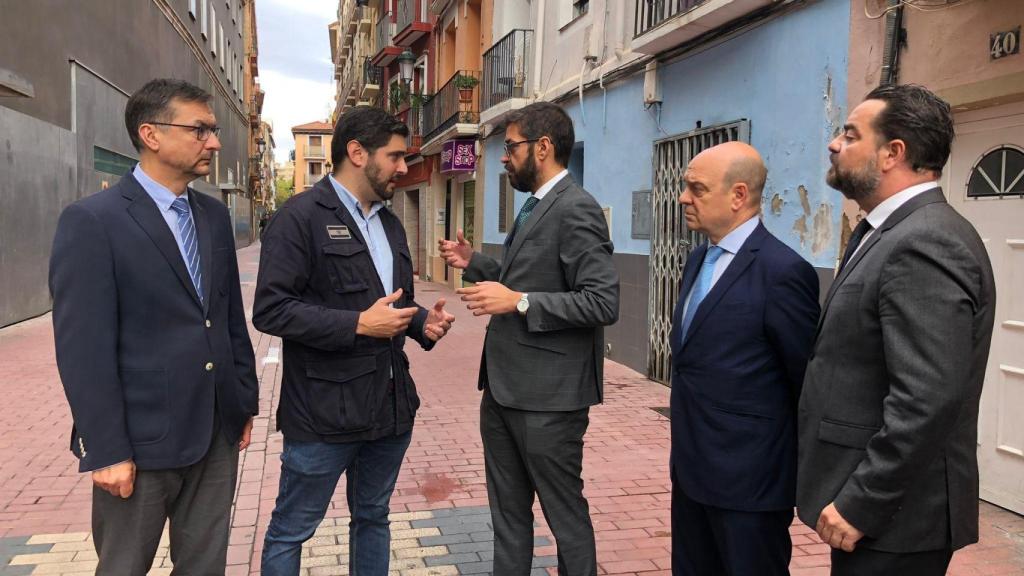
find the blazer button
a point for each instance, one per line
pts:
(208, 324)
(209, 366)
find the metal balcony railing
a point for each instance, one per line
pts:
(385, 31)
(372, 74)
(505, 68)
(315, 152)
(413, 118)
(409, 11)
(651, 13)
(449, 107)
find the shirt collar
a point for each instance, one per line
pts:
(547, 187)
(734, 240)
(158, 192)
(351, 202)
(881, 213)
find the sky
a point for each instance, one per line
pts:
(295, 65)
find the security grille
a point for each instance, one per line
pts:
(671, 241)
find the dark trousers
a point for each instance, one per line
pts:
(876, 563)
(197, 500)
(711, 541)
(527, 453)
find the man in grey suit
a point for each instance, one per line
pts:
(888, 418)
(549, 297)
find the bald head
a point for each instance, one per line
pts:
(723, 188)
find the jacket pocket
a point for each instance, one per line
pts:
(145, 405)
(545, 346)
(846, 434)
(343, 395)
(346, 261)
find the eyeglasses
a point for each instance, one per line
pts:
(202, 131)
(510, 146)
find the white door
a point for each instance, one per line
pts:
(988, 157)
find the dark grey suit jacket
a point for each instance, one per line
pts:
(551, 359)
(888, 417)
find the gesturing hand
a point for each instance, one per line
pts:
(383, 321)
(835, 531)
(489, 298)
(118, 479)
(438, 322)
(457, 254)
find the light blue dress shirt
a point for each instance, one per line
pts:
(731, 244)
(163, 198)
(372, 229)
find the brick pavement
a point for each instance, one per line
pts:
(439, 513)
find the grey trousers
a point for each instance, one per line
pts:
(197, 501)
(527, 453)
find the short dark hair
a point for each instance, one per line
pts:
(546, 119)
(919, 118)
(152, 103)
(370, 126)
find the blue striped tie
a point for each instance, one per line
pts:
(701, 287)
(188, 239)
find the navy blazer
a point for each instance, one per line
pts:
(143, 360)
(737, 377)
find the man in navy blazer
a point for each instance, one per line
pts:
(152, 344)
(741, 335)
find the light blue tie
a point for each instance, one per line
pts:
(701, 287)
(188, 239)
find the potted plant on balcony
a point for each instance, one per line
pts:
(397, 96)
(465, 84)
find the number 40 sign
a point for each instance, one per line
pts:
(1005, 43)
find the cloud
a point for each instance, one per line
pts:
(291, 101)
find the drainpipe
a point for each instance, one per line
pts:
(893, 41)
(538, 49)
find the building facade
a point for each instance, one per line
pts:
(69, 68)
(312, 153)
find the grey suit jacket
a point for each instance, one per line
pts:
(551, 359)
(888, 417)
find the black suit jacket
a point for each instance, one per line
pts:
(889, 412)
(737, 377)
(143, 360)
(552, 359)
(316, 277)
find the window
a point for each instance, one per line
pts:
(231, 73)
(316, 169)
(204, 22)
(111, 162)
(1000, 172)
(192, 8)
(580, 7)
(223, 56)
(213, 31)
(315, 141)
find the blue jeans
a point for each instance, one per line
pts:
(309, 475)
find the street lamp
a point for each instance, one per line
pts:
(406, 62)
(261, 147)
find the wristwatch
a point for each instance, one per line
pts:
(523, 305)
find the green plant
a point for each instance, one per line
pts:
(398, 95)
(465, 82)
(418, 100)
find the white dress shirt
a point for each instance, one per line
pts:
(881, 213)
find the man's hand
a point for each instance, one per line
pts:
(243, 443)
(438, 322)
(383, 321)
(835, 531)
(456, 254)
(489, 298)
(118, 479)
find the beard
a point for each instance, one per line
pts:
(525, 177)
(855, 184)
(378, 184)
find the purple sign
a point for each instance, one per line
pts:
(458, 156)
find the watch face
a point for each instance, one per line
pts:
(522, 305)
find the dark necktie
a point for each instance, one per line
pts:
(859, 231)
(524, 214)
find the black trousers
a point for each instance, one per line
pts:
(527, 453)
(877, 563)
(711, 541)
(197, 501)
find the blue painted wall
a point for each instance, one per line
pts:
(787, 76)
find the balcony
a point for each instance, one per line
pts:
(412, 22)
(313, 152)
(663, 24)
(372, 79)
(505, 74)
(386, 50)
(413, 118)
(453, 111)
